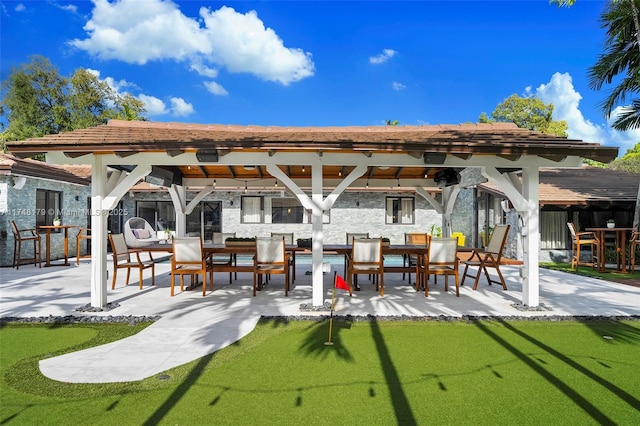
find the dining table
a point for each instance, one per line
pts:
(48, 229)
(620, 246)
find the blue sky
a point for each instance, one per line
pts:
(324, 63)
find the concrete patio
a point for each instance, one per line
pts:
(192, 326)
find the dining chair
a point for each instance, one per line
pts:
(488, 258)
(579, 239)
(366, 258)
(21, 236)
(270, 258)
(350, 236)
(188, 259)
(634, 244)
(232, 259)
(83, 234)
(289, 239)
(441, 259)
(123, 259)
(411, 260)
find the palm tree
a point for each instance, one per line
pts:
(621, 56)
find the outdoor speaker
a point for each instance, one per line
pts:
(207, 155)
(447, 177)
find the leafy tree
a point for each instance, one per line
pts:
(34, 100)
(89, 100)
(528, 113)
(620, 60)
(38, 101)
(629, 162)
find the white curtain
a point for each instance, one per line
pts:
(553, 230)
(389, 210)
(251, 209)
(406, 206)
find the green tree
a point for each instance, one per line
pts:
(34, 100)
(629, 162)
(89, 100)
(37, 101)
(128, 108)
(528, 113)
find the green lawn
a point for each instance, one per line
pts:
(378, 372)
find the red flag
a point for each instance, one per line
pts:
(341, 283)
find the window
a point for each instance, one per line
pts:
(48, 206)
(400, 210)
(260, 209)
(286, 210)
(251, 209)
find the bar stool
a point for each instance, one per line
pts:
(21, 236)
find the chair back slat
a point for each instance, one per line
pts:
(187, 249)
(415, 238)
(270, 250)
(443, 250)
(572, 230)
(367, 250)
(119, 247)
(498, 239)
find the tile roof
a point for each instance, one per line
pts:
(463, 140)
(10, 165)
(587, 185)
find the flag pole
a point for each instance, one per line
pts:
(333, 296)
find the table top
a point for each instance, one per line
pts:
(56, 226)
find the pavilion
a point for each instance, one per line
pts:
(309, 161)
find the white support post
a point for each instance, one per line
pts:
(531, 231)
(98, 234)
(181, 215)
(317, 236)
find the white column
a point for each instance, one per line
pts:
(181, 217)
(317, 233)
(531, 237)
(98, 234)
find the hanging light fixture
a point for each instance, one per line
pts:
(302, 169)
(214, 183)
(276, 184)
(245, 186)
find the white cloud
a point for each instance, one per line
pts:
(238, 42)
(69, 8)
(215, 88)
(383, 57)
(397, 86)
(566, 101)
(204, 70)
(180, 107)
(153, 105)
(20, 7)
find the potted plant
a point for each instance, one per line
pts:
(56, 221)
(167, 234)
(611, 223)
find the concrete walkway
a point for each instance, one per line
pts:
(192, 326)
